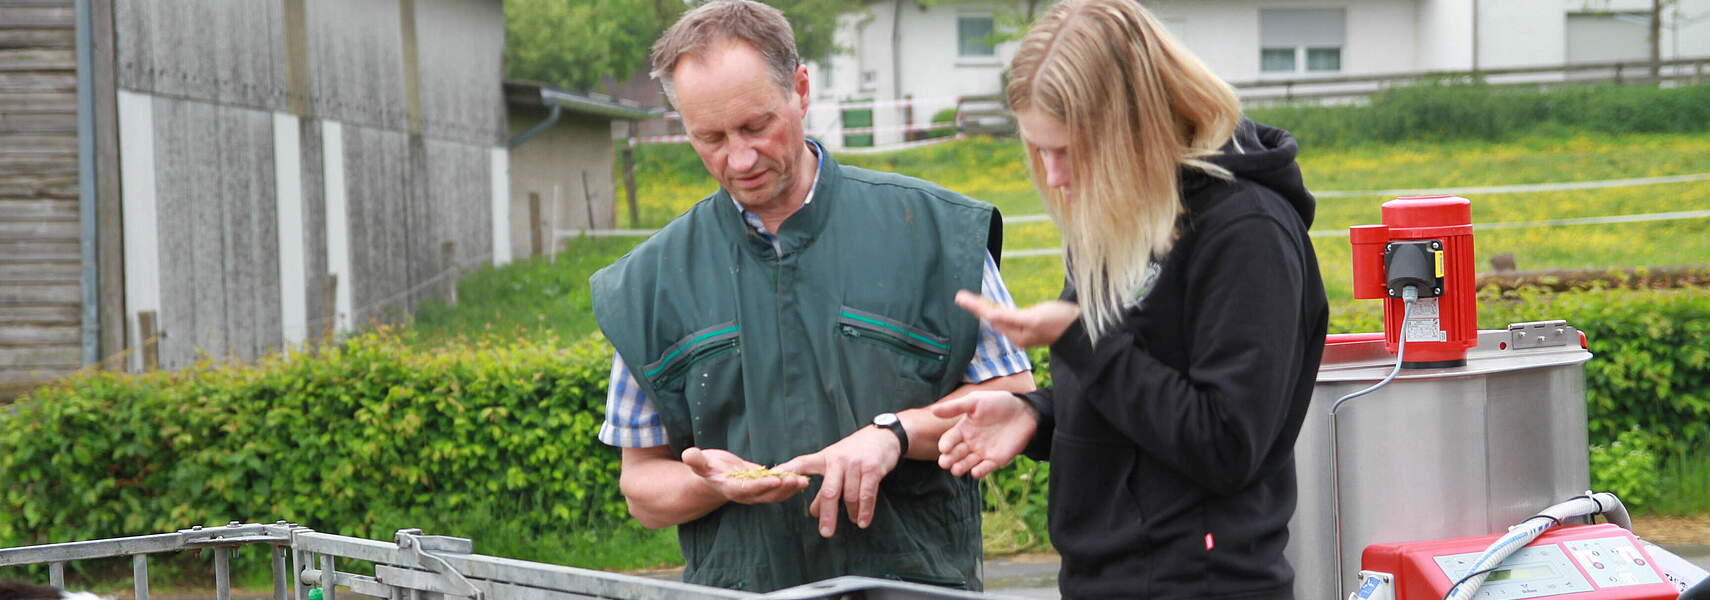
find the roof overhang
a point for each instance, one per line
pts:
(529, 93)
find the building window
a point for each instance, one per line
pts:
(1276, 60)
(974, 37)
(869, 80)
(1608, 37)
(1293, 41)
(1324, 59)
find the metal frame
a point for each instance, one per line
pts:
(415, 566)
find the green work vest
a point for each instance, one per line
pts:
(771, 355)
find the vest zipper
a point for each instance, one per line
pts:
(702, 353)
(892, 341)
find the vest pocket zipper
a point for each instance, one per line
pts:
(701, 354)
(697, 347)
(902, 338)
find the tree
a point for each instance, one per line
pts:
(577, 43)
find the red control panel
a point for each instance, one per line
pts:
(1574, 562)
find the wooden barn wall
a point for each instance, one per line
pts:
(40, 262)
(219, 281)
(413, 84)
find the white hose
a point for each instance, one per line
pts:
(1520, 535)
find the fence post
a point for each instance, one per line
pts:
(448, 264)
(587, 203)
(139, 575)
(1618, 73)
(536, 246)
(281, 573)
(299, 591)
(329, 306)
(56, 575)
(149, 326)
(329, 579)
(223, 573)
(909, 133)
(629, 177)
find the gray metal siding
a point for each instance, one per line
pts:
(217, 71)
(355, 57)
(317, 306)
(40, 263)
(414, 82)
(226, 51)
(376, 164)
(461, 84)
(219, 276)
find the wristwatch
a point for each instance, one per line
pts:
(891, 422)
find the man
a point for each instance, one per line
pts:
(802, 314)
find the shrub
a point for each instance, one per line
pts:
(1650, 363)
(944, 123)
(1628, 467)
(1441, 111)
(379, 433)
(1647, 384)
(348, 440)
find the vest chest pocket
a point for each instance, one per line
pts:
(694, 378)
(876, 348)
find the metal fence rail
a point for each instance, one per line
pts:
(415, 566)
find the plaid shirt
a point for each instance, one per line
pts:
(633, 422)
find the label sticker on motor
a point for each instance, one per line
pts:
(1424, 325)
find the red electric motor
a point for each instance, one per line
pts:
(1424, 242)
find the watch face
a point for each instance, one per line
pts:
(885, 419)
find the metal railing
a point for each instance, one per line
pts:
(414, 567)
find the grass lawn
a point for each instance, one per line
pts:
(536, 297)
(530, 297)
(541, 298)
(993, 171)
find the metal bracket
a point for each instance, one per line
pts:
(231, 534)
(418, 545)
(1541, 334)
(1375, 585)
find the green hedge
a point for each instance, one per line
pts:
(1647, 385)
(356, 440)
(1436, 112)
(379, 434)
(1651, 353)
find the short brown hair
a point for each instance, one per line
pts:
(756, 24)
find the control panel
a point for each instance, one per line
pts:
(1576, 562)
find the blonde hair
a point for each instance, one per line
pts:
(1138, 107)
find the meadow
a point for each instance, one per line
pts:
(538, 297)
(992, 170)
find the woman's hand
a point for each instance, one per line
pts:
(1037, 325)
(994, 427)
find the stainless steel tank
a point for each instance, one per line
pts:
(1437, 453)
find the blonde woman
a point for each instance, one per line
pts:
(1187, 340)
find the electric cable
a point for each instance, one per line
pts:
(1409, 295)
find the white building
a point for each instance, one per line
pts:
(930, 56)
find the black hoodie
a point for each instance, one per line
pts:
(1171, 440)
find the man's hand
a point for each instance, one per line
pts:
(853, 468)
(1037, 325)
(994, 427)
(714, 466)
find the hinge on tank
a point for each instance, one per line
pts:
(1541, 334)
